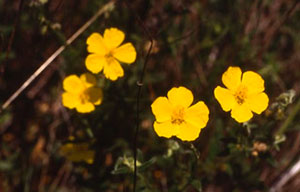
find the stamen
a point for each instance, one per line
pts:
(109, 55)
(84, 97)
(240, 95)
(178, 116)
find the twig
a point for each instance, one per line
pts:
(286, 177)
(107, 7)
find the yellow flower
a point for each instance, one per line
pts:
(244, 94)
(175, 117)
(81, 93)
(77, 152)
(106, 52)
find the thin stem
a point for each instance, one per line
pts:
(138, 96)
(139, 84)
(196, 152)
(12, 36)
(290, 118)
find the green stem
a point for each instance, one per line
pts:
(196, 152)
(290, 118)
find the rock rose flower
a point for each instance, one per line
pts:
(81, 93)
(244, 94)
(176, 117)
(106, 52)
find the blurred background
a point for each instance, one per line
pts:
(46, 147)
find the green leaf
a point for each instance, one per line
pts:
(147, 164)
(122, 170)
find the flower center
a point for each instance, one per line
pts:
(240, 95)
(84, 97)
(177, 115)
(109, 55)
(109, 58)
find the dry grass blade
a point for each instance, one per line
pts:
(107, 7)
(286, 177)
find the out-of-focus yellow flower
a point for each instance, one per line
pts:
(81, 93)
(175, 117)
(77, 152)
(244, 94)
(106, 52)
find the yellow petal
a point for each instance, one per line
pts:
(165, 129)
(96, 44)
(254, 82)
(77, 152)
(180, 96)
(98, 102)
(95, 95)
(241, 113)
(66, 149)
(188, 132)
(73, 84)
(88, 156)
(125, 53)
(162, 109)
(258, 103)
(89, 160)
(225, 98)
(70, 100)
(197, 115)
(113, 70)
(232, 77)
(85, 107)
(95, 63)
(113, 37)
(88, 79)
(78, 156)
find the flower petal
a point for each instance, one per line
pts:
(225, 98)
(241, 113)
(197, 115)
(85, 107)
(95, 63)
(96, 44)
(77, 152)
(95, 95)
(165, 129)
(254, 82)
(125, 53)
(88, 80)
(84, 155)
(73, 84)
(188, 132)
(70, 100)
(180, 96)
(113, 37)
(232, 77)
(162, 109)
(113, 70)
(258, 103)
